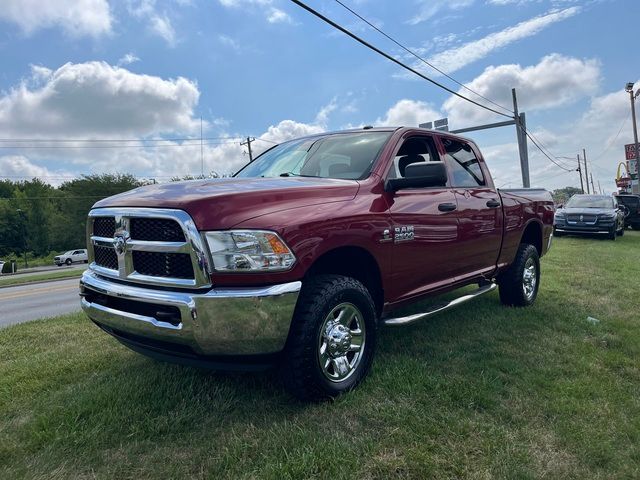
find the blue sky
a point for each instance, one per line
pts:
(103, 70)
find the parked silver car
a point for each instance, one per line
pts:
(72, 256)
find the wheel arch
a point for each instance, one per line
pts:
(355, 262)
(532, 234)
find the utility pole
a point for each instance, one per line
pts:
(629, 88)
(522, 141)
(201, 150)
(579, 170)
(248, 144)
(586, 169)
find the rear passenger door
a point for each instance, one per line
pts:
(479, 209)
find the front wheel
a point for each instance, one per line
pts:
(612, 233)
(68, 261)
(332, 339)
(520, 282)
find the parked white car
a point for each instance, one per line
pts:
(72, 256)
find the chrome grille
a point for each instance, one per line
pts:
(147, 245)
(158, 264)
(156, 229)
(104, 226)
(106, 257)
(582, 218)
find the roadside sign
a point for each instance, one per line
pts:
(630, 151)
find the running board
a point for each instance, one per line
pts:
(400, 321)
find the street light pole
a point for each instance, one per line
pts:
(632, 97)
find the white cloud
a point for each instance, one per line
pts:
(429, 8)
(157, 23)
(228, 41)
(455, 58)
(99, 100)
(76, 17)
(128, 59)
(271, 13)
(539, 87)
(409, 113)
(19, 167)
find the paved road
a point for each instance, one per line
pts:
(30, 302)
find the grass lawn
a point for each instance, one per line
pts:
(483, 391)
(21, 280)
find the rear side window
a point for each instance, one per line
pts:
(463, 164)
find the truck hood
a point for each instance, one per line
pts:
(223, 203)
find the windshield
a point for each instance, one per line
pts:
(69, 252)
(586, 201)
(346, 155)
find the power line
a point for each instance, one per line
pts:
(112, 140)
(530, 136)
(393, 59)
(73, 147)
(419, 57)
(265, 140)
(624, 122)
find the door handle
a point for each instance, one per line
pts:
(447, 207)
(493, 203)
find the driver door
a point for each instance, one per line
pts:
(424, 226)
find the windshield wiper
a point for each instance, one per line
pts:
(291, 174)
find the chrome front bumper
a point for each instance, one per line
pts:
(225, 321)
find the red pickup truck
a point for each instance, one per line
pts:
(307, 250)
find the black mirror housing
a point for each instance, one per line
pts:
(419, 175)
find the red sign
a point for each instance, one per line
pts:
(630, 151)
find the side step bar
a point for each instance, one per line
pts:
(400, 321)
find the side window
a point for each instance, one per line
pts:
(462, 163)
(413, 150)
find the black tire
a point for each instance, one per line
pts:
(68, 261)
(86, 261)
(557, 233)
(301, 368)
(515, 290)
(59, 264)
(621, 232)
(612, 233)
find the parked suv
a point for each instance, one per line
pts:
(632, 203)
(72, 256)
(590, 214)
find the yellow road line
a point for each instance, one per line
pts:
(37, 291)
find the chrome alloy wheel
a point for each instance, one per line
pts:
(341, 343)
(529, 279)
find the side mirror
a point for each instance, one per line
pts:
(419, 175)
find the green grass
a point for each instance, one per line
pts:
(483, 391)
(21, 280)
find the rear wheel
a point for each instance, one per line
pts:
(332, 340)
(519, 284)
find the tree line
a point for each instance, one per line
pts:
(39, 218)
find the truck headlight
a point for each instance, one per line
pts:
(249, 251)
